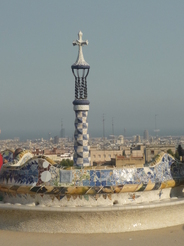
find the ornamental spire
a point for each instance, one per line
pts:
(80, 62)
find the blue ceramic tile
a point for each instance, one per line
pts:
(92, 183)
(98, 174)
(92, 175)
(113, 182)
(108, 182)
(84, 126)
(86, 182)
(98, 183)
(79, 121)
(139, 170)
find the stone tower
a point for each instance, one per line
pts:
(80, 71)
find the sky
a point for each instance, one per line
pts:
(136, 57)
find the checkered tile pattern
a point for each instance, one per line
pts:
(81, 148)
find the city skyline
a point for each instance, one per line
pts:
(136, 62)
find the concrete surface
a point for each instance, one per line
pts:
(161, 237)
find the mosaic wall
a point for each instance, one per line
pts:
(7, 156)
(38, 175)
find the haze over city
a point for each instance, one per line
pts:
(136, 55)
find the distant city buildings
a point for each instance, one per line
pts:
(146, 135)
(154, 149)
(103, 151)
(56, 140)
(120, 139)
(101, 156)
(137, 139)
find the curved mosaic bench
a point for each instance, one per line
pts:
(39, 196)
(38, 180)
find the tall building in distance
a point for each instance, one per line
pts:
(80, 71)
(146, 135)
(62, 132)
(137, 139)
(56, 140)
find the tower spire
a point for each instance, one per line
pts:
(81, 106)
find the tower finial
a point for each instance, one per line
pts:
(80, 62)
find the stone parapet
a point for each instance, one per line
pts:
(92, 220)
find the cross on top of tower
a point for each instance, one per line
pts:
(80, 42)
(80, 62)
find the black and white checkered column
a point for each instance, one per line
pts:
(81, 136)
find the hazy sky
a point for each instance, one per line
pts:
(136, 54)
